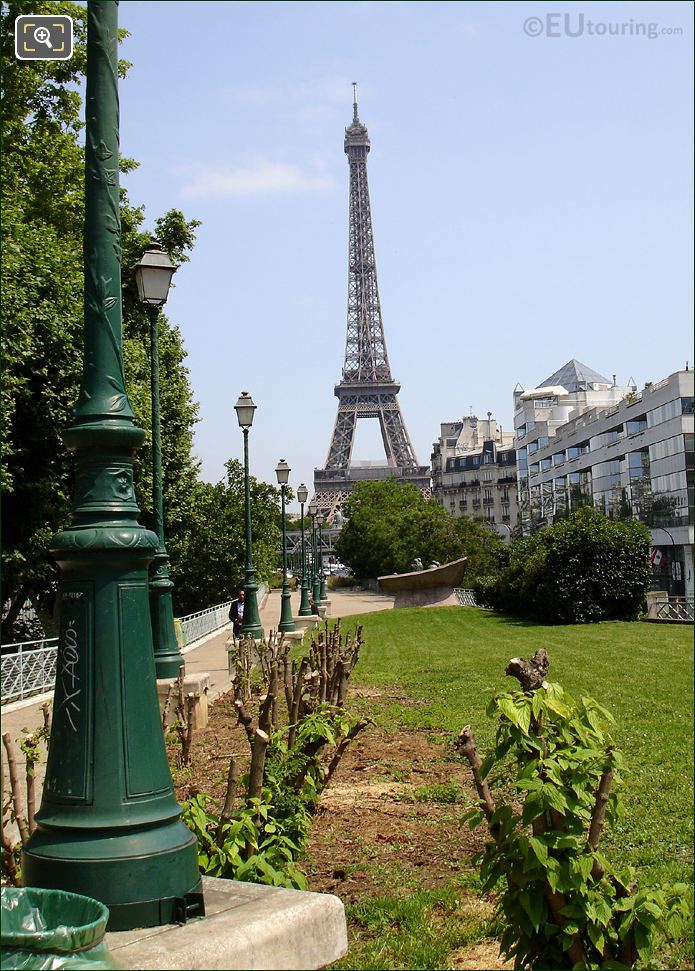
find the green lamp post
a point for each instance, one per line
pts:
(109, 825)
(315, 578)
(282, 471)
(323, 590)
(251, 624)
(304, 607)
(153, 277)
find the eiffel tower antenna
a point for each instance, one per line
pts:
(367, 388)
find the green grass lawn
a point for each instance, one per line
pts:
(453, 659)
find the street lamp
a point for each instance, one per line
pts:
(282, 471)
(109, 826)
(323, 593)
(315, 579)
(251, 624)
(153, 277)
(304, 607)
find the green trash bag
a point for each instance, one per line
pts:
(47, 929)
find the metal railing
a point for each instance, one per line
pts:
(195, 626)
(676, 609)
(465, 597)
(29, 670)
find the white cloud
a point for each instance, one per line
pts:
(263, 176)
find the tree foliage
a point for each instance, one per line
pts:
(585, 568)
(210, 567)
(42, 317)
(388, 524)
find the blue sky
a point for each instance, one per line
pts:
(531, 198)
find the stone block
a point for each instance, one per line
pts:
(246, 926)
(654, 598)
(198, 684)
(304, 623)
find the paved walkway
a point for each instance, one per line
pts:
(209, 656)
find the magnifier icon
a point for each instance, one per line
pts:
(42, 35)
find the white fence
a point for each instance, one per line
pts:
(195, 626)
(465, 597)
(31, 668)
(675, 609)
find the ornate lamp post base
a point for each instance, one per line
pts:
(167, 654)
(109, 825)
(251, 626)
(59, 860)
(286, 622)
(304, 606)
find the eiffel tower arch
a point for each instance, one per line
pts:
(366, 388)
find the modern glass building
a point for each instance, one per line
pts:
(582, 439)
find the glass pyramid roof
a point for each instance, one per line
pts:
(574, 376)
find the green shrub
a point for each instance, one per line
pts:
(585, 568)
(337, 583)
(440, 792)
(252, 845)
(561, 902)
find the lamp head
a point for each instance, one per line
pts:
(245, 409)
(282, 471)
(302, 493)
(153, 275)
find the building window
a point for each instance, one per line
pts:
(487, 475)
(636, 426)
(606, 438)
(670, 410)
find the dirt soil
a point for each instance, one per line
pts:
(382, 827)
(376, 817)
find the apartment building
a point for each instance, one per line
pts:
(474, 472)
(580, 439)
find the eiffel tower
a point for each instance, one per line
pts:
(367, 389)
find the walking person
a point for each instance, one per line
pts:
(236, 614)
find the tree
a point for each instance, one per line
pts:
(42, 283)
(389, 524)
(584, 568)
(211, 565)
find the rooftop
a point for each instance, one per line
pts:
(574, 376)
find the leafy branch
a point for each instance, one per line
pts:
(563, 904)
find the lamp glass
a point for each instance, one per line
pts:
(244, 410)
(282, 471)
(313, 509)
(153, 276)
(302, 493)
